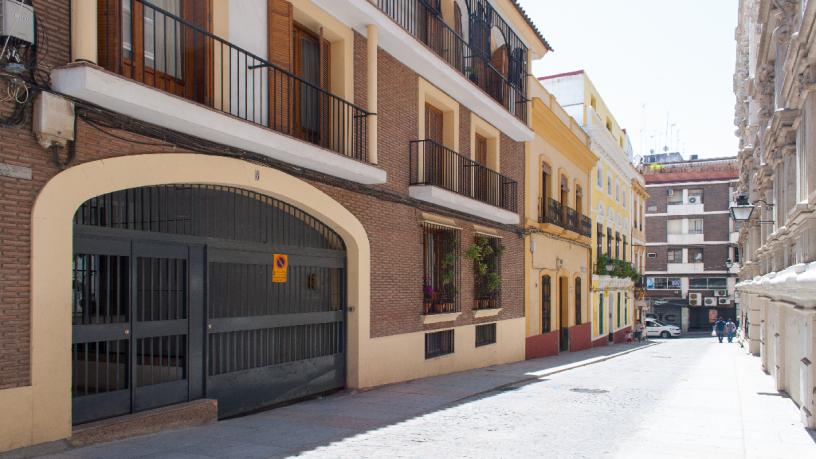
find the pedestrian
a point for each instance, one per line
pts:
(719, 328)
(730, 330)
(638, 331)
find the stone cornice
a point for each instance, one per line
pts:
(795, 284)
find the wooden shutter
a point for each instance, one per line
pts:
(280, 24)
(325, 102)
(434, 124)
(109, 41)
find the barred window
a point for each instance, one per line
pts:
(485, 334)
(441, 268)
(485, 254)
(438, 343)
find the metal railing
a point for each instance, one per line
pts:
(434, 164)
(426, 25)
(160, 49)
(555, 213)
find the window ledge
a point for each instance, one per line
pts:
(437, 318)
(486, 312)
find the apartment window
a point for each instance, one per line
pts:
(625, 248)
(599, 239)
(485, 334)
(625, 198)
(608, 125)
(609, 185)
(438, 343)
(609, 242)
(617, 245)
(593, 102)
(161, 50)
(546, 304)
(441, 268)
(674, 255)
(674, 226)
(675, 196)
(546, 187)
(617, 191)
(486, 255)
(663, 283)
(600, 177)
(695, 196)
(695, 255)
(708, 283)
(578, 302)
(579, 200)
(695, 226)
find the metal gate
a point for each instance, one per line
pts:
(174, 300)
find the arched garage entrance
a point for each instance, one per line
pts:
(187, 291)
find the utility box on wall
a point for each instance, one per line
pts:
(53, 120)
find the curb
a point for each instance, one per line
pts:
(582, 363)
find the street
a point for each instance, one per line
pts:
(687, 397)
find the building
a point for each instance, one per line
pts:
(639, 198)
(611, 195)
(690, 239)
(558, 244)
(775, 88)
(255, 201)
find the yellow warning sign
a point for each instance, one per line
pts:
(280, 267)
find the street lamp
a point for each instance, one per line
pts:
(742, 209)
(609, 267)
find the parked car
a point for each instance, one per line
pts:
(655, 328)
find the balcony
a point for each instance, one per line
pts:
(555, 213)
(168, 71)
(426, 25)
(441, 176)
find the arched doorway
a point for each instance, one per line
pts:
(187, 291)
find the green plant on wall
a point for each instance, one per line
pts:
(485, 255)
(448, 275)
(620, 268)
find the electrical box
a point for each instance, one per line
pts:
(53, 119)
(17, 20)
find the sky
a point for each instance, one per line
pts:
(652, 61)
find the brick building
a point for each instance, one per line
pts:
(690, 244)
(256, 201)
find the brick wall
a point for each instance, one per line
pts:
(393, 228)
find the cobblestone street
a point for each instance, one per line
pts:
(680, 398)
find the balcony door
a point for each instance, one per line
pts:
(437, 162)
(483, 190)
(161, 43)
(307, 66)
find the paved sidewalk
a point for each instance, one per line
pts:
(309, 425)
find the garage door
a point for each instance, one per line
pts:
(177, 297)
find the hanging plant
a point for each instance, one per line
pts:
(484, 256)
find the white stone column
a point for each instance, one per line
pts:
(84, 31)
(371, 94)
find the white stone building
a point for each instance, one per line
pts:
(775, 87)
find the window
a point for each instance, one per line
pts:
(578, 303)
(617, 191)
(675, 196)
(708, 283)
(674, 255)
(717, 282)
(546, 305)
(441, 268)
(695, 255)
(651, 209)
(674, 226)
(608, 125)
(485, 334)
(663, 283)
(617, 245)
(695, 196)
(609, 242)
(546, 187)
(600, 177)
(695, 226)
(158, 32)
(599, 239)
(486, 255)
(609, 185)
(438, 343)
(625, 198)
(619, 309)
(625, 248)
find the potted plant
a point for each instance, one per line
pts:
(484, 256)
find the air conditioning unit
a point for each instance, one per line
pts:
(695, 299)
(692, 199)
(670, 192)
(710, 301)
(723, 300)
(720, 292)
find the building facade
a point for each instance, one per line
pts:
(639, 198)
(611, 194)
(257, 201)
(690, 239)
(775, 88)
(559, 230)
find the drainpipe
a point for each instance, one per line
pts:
(84, 31)
(371, 95)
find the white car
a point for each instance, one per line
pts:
(655, 328)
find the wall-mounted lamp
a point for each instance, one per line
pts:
(742, 209)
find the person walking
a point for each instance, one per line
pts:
(638, 332)
(719, 328)
(730, 330)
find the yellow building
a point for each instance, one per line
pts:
(611, 194)
(559, 165)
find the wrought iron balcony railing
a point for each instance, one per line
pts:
(470, 58)
(555, 213)
(434, 164)
(160, 49)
